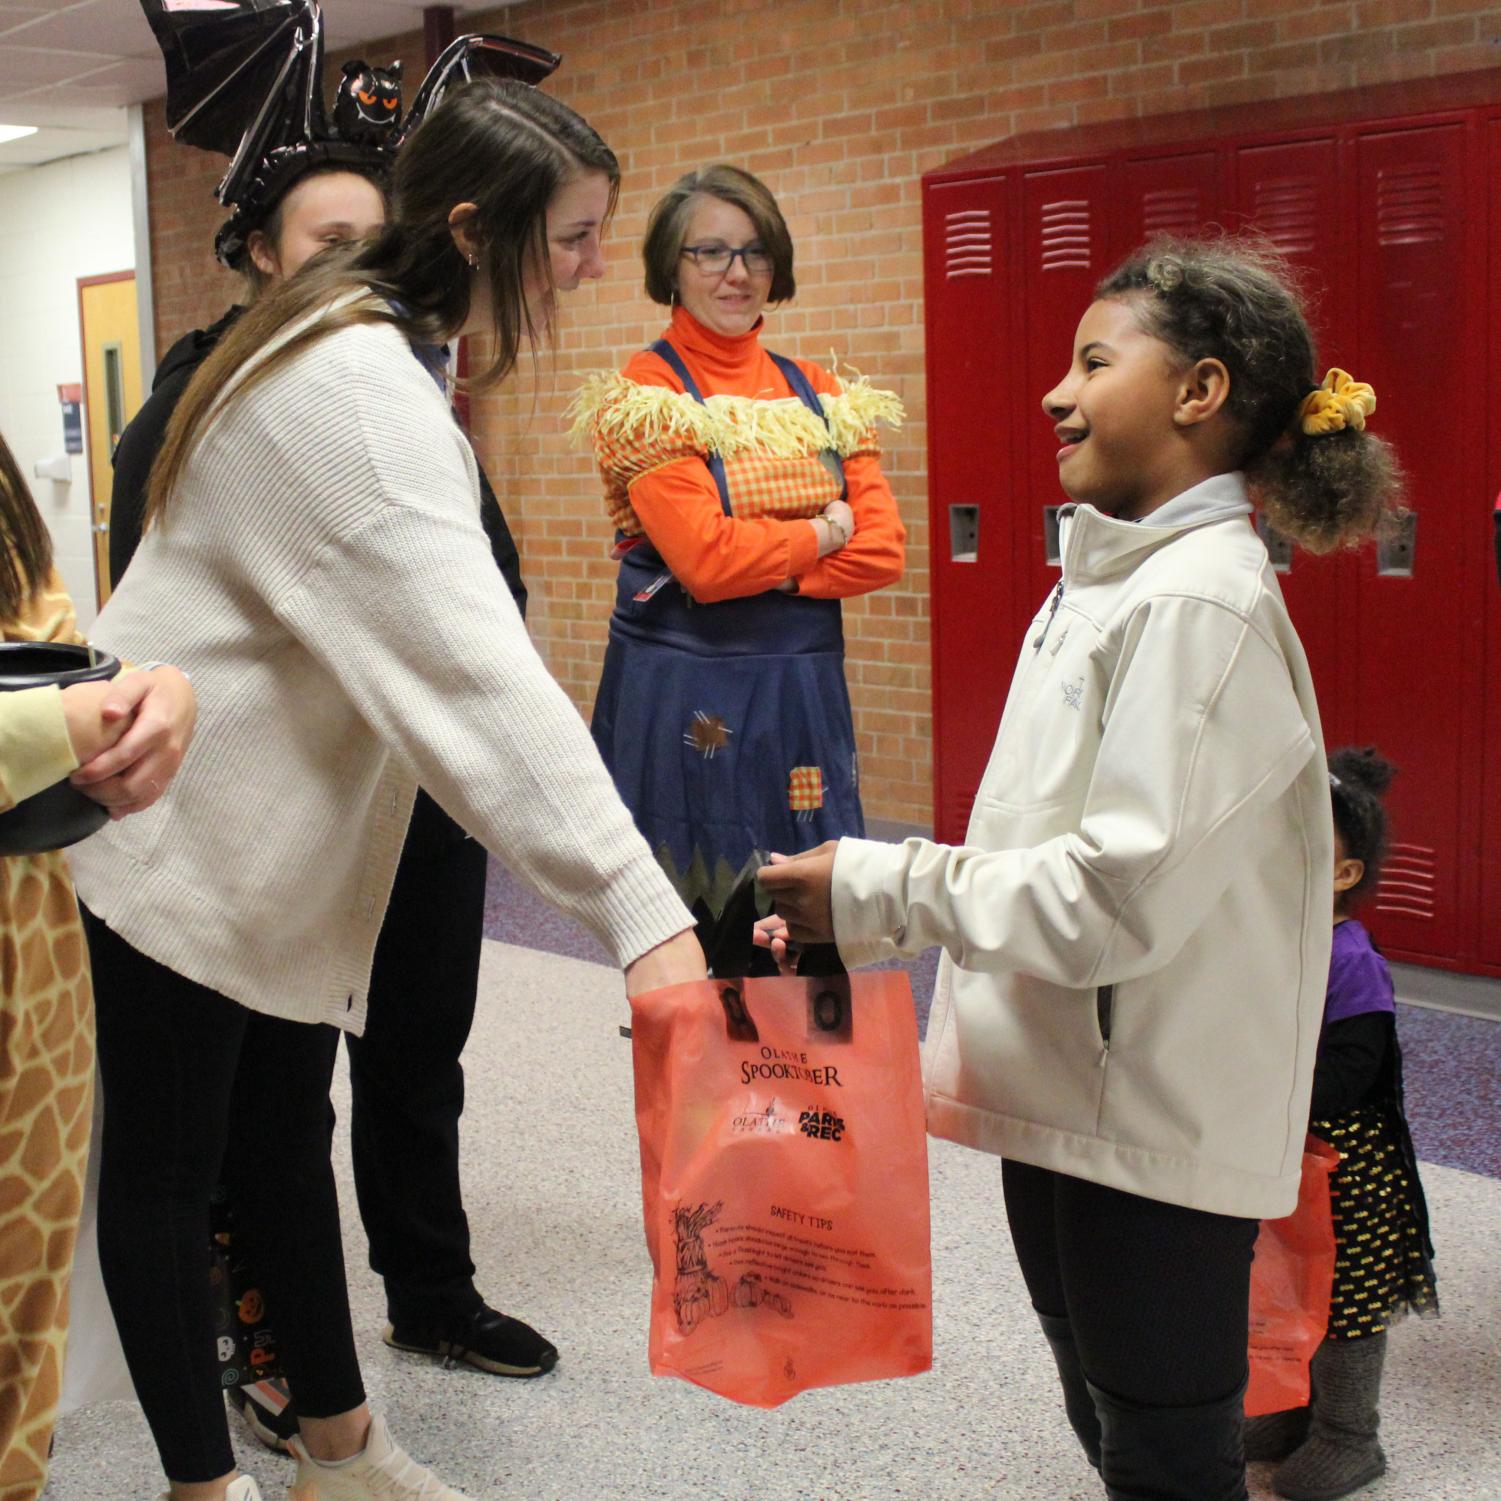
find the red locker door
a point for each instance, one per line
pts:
(1066, 248)
(1477, 525)
(971, 455)
(1170, 195)
(1290, 193)
(1078, 221)
(1413, 635)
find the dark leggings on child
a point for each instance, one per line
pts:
(177, 1063)
(1156, 1301)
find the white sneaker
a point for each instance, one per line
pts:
(243, 1488)
(383, 1470)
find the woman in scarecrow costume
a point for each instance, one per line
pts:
(748, 500)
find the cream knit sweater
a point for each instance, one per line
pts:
(324, 578)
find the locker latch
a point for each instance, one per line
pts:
(964, 534)
(1395, 546)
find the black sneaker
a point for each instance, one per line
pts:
(486, 1339)
(266, 1410)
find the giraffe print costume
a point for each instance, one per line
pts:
(46, 1091)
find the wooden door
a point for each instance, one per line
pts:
(112, 393)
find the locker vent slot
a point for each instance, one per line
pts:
(1286, 212)
(1410, 206)
(1408, 880)
(968, 244)
(1170, 211)
(1067, 235)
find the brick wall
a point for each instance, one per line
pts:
(841, 108)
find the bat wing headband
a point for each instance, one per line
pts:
(245, 79)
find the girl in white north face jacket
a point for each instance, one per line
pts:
(1136, 933)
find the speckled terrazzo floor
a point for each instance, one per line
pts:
(553, 1194)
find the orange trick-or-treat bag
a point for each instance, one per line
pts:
(784, 1172)
(1291, 1279)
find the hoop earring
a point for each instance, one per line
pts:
(474, 263)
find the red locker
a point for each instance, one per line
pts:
(1290, 191)
(1066, 249)
(1413, 681)
(1486, 828)
(1175, 194)
(1384, 198)
(971, 419)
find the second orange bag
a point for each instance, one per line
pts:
(785, 1183)
(1291, 1281)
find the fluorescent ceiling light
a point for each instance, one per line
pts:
(15, 132)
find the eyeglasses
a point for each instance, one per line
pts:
(717, 259)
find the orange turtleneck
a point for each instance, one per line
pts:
(715, 556)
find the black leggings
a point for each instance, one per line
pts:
(177, 1062)
(1157, 1295)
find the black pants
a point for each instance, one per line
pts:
(1157, 1295)
(406, 1082)
(178, 1063)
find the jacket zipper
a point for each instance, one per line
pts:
(1047, 624)
(1104, 1006)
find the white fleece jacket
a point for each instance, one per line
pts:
(324, 578)
(1137, 929)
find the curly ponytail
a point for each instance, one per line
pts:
(1328, 491)
(1234, 300)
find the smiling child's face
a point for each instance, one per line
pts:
(1114, 414)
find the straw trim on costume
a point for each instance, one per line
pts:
(609, 407)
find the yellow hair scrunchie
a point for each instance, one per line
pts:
(1337, 404)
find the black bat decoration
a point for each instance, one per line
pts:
(245, 79)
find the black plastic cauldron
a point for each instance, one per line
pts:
(58, 815)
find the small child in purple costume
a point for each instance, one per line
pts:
(1383, 1254)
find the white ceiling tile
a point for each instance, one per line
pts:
(126, 82)
(78, 62)
(25, 68)
(368, 20)
(36, 110)
(117, 28)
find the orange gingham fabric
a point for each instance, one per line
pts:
(787, 489)
(805, 789)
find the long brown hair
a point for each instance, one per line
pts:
(26, 546)
(498, 144)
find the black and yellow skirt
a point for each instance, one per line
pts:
(1383, 1264)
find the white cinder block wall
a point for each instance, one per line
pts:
(57, 223)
